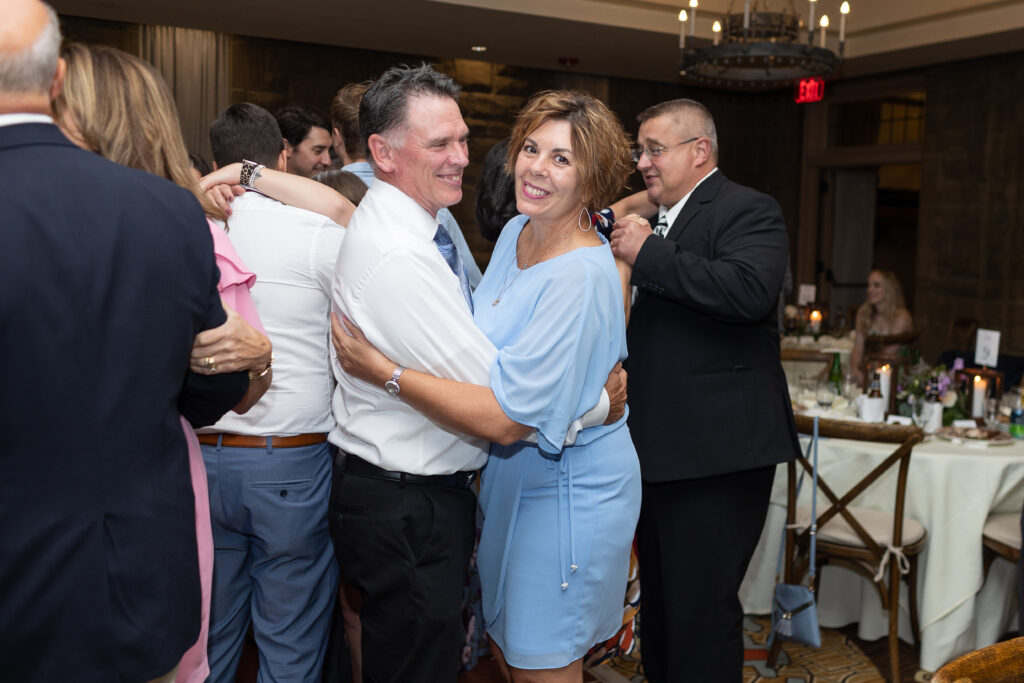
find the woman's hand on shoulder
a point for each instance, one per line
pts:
(222, 186)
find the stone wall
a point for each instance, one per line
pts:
(970, 256)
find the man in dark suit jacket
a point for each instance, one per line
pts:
(106, 276)
(709, 409)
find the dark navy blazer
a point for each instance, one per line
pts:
(106, 276)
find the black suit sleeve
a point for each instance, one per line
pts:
(205, 398)
(740, 279)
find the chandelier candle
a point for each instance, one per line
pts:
(693, 16)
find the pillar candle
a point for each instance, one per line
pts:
(978, 397)
(885, 380)
(815, 325)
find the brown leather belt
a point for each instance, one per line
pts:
(246, 441)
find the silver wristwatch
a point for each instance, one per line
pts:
(392, 385)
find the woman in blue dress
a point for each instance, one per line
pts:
(558, 521)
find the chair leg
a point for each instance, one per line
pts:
(988, 557)
(773, 652)
(894, 621)
(915, 625)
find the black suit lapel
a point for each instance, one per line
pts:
(703, 194)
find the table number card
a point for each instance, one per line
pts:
(986, 348)
(806, 295)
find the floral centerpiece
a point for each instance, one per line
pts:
(914, 383)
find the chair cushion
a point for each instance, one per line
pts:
(877, 523)
(1005, 528)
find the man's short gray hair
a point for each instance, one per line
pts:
(385, 106)
(31, 70)
(699, 115)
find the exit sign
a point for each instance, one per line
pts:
(810, 90)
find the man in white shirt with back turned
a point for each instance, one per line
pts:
(270, 470)
(402, 511)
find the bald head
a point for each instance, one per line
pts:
(29, 47)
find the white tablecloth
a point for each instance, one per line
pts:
(950, 489)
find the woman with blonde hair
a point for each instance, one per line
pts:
(119, 107)
(884, 313)
(558, 521)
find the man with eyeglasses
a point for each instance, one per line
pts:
(709, 409)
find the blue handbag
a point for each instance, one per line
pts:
(794, 612)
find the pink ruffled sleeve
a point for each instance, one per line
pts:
(235, 278)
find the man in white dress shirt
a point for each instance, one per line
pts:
(270, 470)
(402, 510)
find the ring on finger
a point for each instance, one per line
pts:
(210, 364)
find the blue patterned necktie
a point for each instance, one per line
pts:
(447, 248)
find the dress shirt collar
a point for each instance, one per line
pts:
(417, 219)
(15, 119)
(362, 169)
(673, 212)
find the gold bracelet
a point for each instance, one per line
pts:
(255, 375)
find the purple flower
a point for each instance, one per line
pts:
(958, 364)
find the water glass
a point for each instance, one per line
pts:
(917, 409)
(826, 395)
(992, 412)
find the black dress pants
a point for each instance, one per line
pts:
(695, 539)
(406, 549)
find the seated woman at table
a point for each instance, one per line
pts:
(558, 522)
(884, 314)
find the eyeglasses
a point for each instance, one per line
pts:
(655, 152)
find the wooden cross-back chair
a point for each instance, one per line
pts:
(869, 542)
(1001, 538)
(999, 663)
(809, 360)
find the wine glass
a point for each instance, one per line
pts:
(851, 387)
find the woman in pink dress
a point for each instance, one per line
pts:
(119, 107)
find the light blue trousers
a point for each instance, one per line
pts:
(274, 562)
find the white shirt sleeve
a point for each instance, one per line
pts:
(407, 308)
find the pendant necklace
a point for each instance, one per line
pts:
(508, 282)
(526, 264)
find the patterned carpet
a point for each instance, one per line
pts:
(838, 661)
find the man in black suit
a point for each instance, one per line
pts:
(106, 276)
(709, 408)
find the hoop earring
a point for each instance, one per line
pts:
(590, 220)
